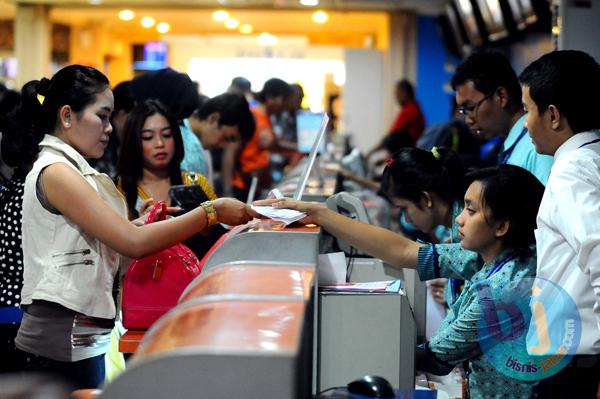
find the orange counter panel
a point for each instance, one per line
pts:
(253, 279)
(129, 342)
(228, 325)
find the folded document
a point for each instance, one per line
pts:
(287, 216)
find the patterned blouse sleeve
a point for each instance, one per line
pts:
(458, 341)
(448, 261)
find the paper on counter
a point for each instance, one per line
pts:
(332, 268)
(287, 216)
(375, 286)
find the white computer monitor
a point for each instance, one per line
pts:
(307, 128)
(317, 142)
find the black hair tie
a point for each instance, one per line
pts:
(43, 86)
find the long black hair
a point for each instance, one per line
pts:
(37, 114)
(412, 171)
(513, 194)
(131, 161)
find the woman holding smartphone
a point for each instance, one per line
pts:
(150, 158)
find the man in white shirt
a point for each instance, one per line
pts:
(560, 93)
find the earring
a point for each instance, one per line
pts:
(429, 204)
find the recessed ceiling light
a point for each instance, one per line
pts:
(220, 15)
(95, 2)
(126, 15)
(267, 39)
(232, 23)
(320, 17)
(148, 22)
(309, 3)
(246, 29)
(163, 27)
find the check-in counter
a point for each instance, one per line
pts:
(223, 347)
(252, 278)
(259, 243)
(371, 269)
(245, 327)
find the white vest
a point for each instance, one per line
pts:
(63, 264)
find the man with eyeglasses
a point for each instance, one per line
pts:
(488, 95)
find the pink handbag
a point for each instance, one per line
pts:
(153, 284)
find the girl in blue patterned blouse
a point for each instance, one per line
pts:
(498, 223)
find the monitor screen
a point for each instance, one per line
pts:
(150, 56)
(318, 140)
(453, 31)
(516, 13)
(467, 14)
(307, 125)
(491, 13)
(528, 11)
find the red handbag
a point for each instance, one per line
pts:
(154, 283)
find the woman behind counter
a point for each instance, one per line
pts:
(75, 227)
(498, 223)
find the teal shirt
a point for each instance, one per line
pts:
(194, 159)
(524, 155)
(457, 338)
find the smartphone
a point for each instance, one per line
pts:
(187, 197)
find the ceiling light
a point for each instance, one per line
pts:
(148, 22)
(267, 39)
(163, 27)
(309, 3)
(95, 2)
(246, 29)
(320, 17)
(126, 15)
(220, 15)
(232, 23)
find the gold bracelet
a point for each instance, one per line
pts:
(211, 213)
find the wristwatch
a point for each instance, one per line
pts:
(211, 213)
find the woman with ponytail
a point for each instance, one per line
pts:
(75, 227)
(427, 186)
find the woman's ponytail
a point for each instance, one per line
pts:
(412, 171)
(24, 128)
(20, 129)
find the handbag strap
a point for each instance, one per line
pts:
(159, 206)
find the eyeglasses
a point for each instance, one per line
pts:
(471, 110)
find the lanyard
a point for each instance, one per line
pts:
(503, 157)
(453, 287)
(588, 143)
(499, 265)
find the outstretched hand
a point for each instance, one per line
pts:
(310, 208)
(232, 212)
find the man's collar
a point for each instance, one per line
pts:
(575, 141)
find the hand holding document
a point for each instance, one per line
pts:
(287, 216)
